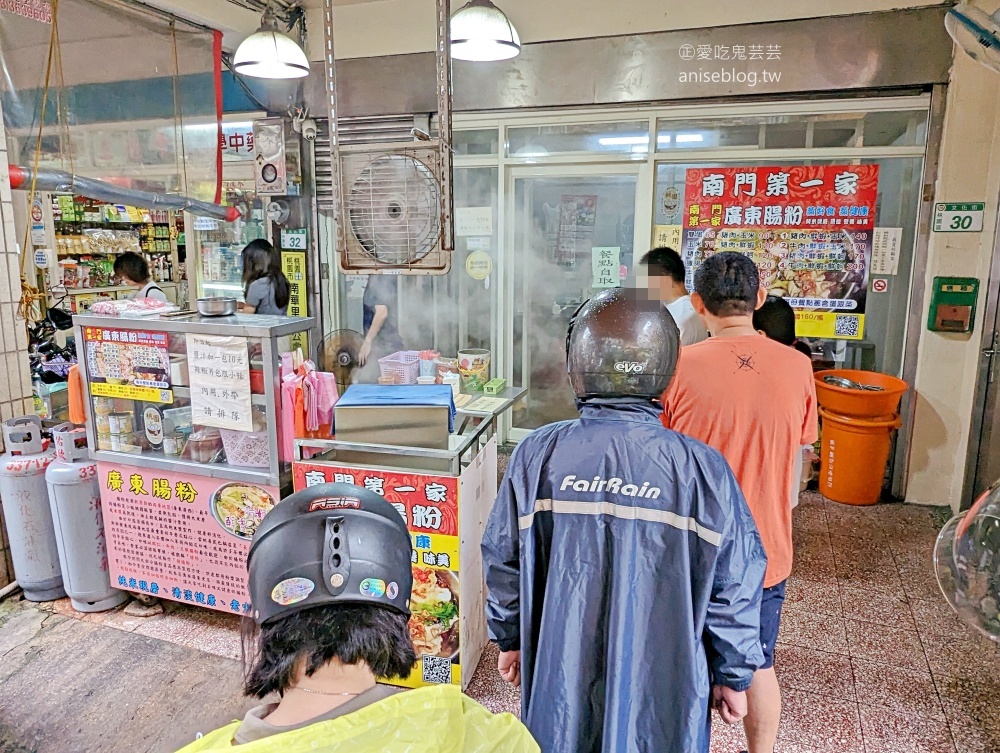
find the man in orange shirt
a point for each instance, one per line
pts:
(754, 400)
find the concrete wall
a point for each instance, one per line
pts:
(15, 376)
(948, 364)
(393, 27)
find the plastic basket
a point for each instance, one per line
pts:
(246, 448)
(404, 366)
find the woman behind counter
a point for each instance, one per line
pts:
(265, 286)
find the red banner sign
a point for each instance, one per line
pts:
(824, 197)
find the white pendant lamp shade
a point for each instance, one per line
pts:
(480, 31)
(268, 53)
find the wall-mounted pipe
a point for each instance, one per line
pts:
(63, 182)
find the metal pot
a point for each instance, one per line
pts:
(216, 306)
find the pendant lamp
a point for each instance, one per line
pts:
(480, 31)
(270, 53)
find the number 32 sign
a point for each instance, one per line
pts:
(958, 218)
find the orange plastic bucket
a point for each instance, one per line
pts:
(860, 403)
(853, 455)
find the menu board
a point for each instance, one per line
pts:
(129, 364)
(429, 506)
(179, 536)
(808, 229)
(219, 369)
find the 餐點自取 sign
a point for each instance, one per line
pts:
(180, 536)
(428, 505)
(128, 364)
(809, 230)
(219, 369)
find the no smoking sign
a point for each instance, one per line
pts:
(880, 286)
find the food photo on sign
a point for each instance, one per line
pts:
(808, 229)
(428, 504)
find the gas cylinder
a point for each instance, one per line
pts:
(75, 497)
(25, 499)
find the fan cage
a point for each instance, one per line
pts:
(391, 198)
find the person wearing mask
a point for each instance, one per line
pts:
(622, 565)
(134, 270)
(665, 275)
(381, 317)
(776, 320)
(754, 400)
(265, 287)
(320, 636)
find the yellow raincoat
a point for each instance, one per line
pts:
(428, 720)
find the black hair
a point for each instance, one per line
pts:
(664, 262)
(261, 259)
(132, 267)
(804, 349)
(728, 283)
(353, 633)
(776, 319)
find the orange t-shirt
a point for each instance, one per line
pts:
(754, 400)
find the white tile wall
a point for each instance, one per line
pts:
(15, 378)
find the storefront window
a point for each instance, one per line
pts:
(541, 141)
(478, 142)
(881, 346)
(573, 235)
(795, 131)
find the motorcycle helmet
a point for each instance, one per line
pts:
(330, 544)
(620, 345)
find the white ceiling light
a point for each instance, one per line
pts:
(480, 31)
(270, 53)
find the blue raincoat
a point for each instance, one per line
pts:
(622, 560)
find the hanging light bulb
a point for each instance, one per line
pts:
(270, 53)
(480, 31)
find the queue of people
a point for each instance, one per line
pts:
(636, 576)
(635, 558)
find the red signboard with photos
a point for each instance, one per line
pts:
(808, 229)
(428, 504)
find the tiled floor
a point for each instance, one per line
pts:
(870, 657)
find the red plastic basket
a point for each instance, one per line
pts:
(403, 366)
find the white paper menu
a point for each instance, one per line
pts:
(219, 370)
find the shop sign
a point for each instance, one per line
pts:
(128, 364)
(237, 142)
(473, 221)
(959, 218)
(479, 265)
(669, 236)
(606, 263)
(293, 264)
(33, 10)
(808, 229)
(428, 504)
(180, 536)
(219, 369)
(294, 240)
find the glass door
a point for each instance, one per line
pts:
(571, 232)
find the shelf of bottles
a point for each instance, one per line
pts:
(90, 234)
(220, 248)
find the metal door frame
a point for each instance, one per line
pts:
(643, 173)
(985, 376)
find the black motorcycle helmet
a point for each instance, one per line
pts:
(330, 544)
(621, 345)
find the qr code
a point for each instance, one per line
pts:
(436, 670)
(847, 325)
